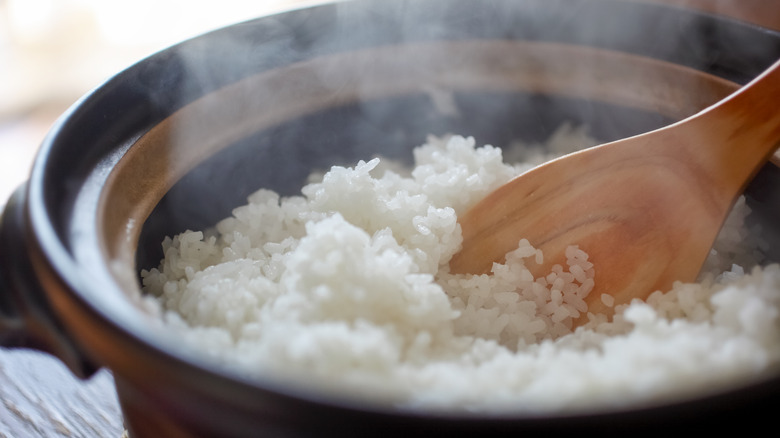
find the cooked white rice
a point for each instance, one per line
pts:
(346, 289)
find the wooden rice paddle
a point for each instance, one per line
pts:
(646, 209)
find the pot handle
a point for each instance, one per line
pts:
(26, 316)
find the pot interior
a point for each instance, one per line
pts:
(273, 129)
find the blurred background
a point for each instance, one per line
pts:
(54, 51)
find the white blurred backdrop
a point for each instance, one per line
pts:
(54, 51)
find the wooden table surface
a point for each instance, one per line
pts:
(39, 397)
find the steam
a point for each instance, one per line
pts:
(392, 71)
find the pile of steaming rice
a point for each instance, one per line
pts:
(346, 288)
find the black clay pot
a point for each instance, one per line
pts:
(181, 138)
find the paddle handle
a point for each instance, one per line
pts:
(746, 128)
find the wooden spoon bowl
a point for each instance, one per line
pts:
(646, 209)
